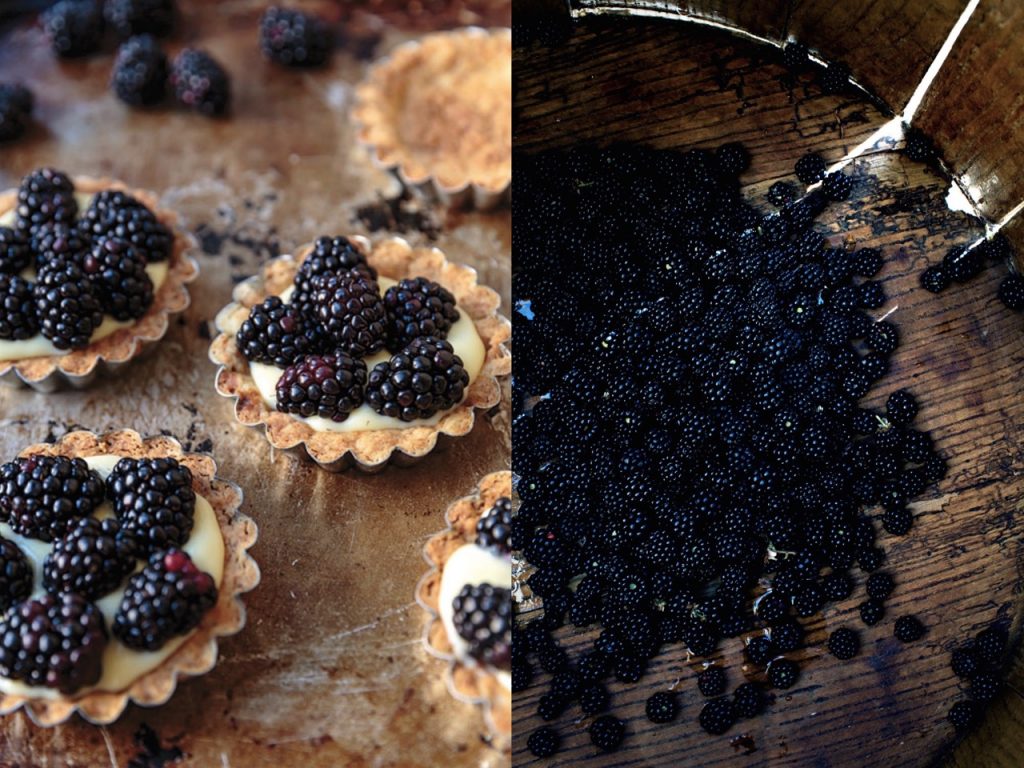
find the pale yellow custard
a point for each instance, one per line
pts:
(122, 665)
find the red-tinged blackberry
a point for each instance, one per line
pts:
(56, 641)
(1011, 292)
(607, 732)
(879, 585)
(45, 195)
(550, 707)
(329, 386)
(872, 611)
(41, 496)
(330, 255)
(91, 559)
(718, 716)
(984, 686)
(118, 275)
(200, 83)
(795, 54)
(844, 643)
(810, 168)
(782, 673)
(169, 597)
(836, 586)
(116, 214)
(662, 707)
(16, 102)
(594, 698)
(835, 78)
(962, 715)
(139, 17)
(424, 378)
(15, 575)
(483, 618)
(522, 676)
(788, 636)
(935, 279)
(351, 311)
(760, 650)
(494, 528)
(74, 27)
(908, 629)
(543, 742)
(18, 319)
(990, 643)
(772, 607)
(276, 333)
(15, 253)
(294, 38)
(711, 681)
(154, 501)
(418, 307)
(965, 662)
(139, 77)
(837, 186)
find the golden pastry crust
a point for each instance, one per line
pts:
(367, 449)
(79, 367)
(198, 654)
(466, 682)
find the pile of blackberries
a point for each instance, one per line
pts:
(978, 662)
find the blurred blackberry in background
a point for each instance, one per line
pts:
(74, 27)
(140, 17)
(139, 77)
(200, 83)
(294, 38)
(16, 103)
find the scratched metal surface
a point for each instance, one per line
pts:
(329, 669)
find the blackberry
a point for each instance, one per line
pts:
(330, 255)
(771, 607)
(549, 707)
(139, 17)
(984, 687)
(733, 159)
(543, 742)
(871, 294)
(908, 629)
(872, 611)
(16, 103)
(868, 262)
(607, 732)
(74, 27)
(45, 195)
(711, 681)
(1011, 292)
(918, 147)
(837, 186)
(54, 241)
(41, 496)
(153, 500)
(168, 597)
(116, 214)
(56, 641)
(494, 528)
(483, 618)
(15, 253)
(808, 600)
(629, 668)
(882, 338)
(901, 407)
(594, 698)
(782, 673)
(760, 650)
(810, 168)
(351, 312)
(17, 309)
(934, 279)
(91, 559)
(424, 378)
(835, 78)
(836, 586)
(718, 716)
(780, 193)
(748, 700)
(795, 54)
(788, 636)
(139, 77)
(200, 83)
(276, 333)
(15, 575)
(962, 715)
(294, 38)
(522, 676)
(879, 586)
(418, 307)
(119, 279)
(990, 643)
(844, 643)
(965, 662)
(662, 707)
(565, 684)
(328, 386)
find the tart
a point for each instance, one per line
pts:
(125, 518)
(438, 112)
(360, 318)
(137, 273)
(467, 595)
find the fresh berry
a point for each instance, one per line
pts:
(351, 312)
(140, 70)
(75, 27)
(990, 643)
(607, 732)
(424, 378)
(16, 103)
(116, 214)
(118, 275)
(543, 742)
(872, 611)
(522, 676)
(901, 407)
(91, 559)
(837, 186)
(984, 687)
(718, 716)
(962, 715)
(782, 673)
(760, 650)
(771, 607)
(662, 707)
(328, 386)
(44, 196)
(965, 662)
(330, 256)
(908, 629)
(879, 585)
(918, 147)
(139, 17)
(795, 54)
(1011, 292)
(56, 241)
(810, 168)
(294, 38)
(15, 253)
(154, 500)
(418, 307)
(167, 598)
(594, 698)
(836, 586)
(275, 333)
(935, 279)
(17, 309)
(711, 681)
(748, 699)
(494, 528)
(844, 643)
(41, 496)
(733, 159)
(483, 618)
(835, 78)
(15, 575)
(788, 636)
(200, 83)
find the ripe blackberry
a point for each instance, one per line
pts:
(200, 83)
(522, 675)
(918, 147)
(91, 559)
(868, 262)
(45, 195)
(782, 673)
(15, 575)
(795, 54)
(836, 586)
(628, 668)
(760, 650)
(494, 528)
(872, 611)
(55, 641)
(15, 253)
(718, 716)
(41, 496)
(565, 684)
(139, 77)
(593, 698)
(118, 276)
(116, 214)
(276, 333)
(808, 600)
(810, 168)
(16, 103)
(835, 78)
(788, 636)
(990, 643)
(870, 294)
(55, 241)
(351, 311)
(965, 662)
(901, 407)
(908, 629)
(139, 17)
(607, 732)
(780, 193)
(879, 585)
(748, 700)
(934, 279)
(294, 38)
(771, 607)
(168, 597)
(549, 707)
(733, 159)
(328, 386)
(330, 255)
(837, 186)
(984, 686)
(882, 338)
(711, 681)
(154, 501)
(1011, 292)
(844, 643)
(424, 378)
(543, 742)
(962, 715)
(74, 27)
(17, 309)
(483, 618)
(418, 307)
(662, 707)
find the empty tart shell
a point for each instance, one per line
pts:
(467, 682)
(369, 450)
(80, 367)
(438, 112)
(198, 653)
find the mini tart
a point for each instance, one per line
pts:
(78, 368)
(197, 654)
(469, 682)
(438, 112)
(370, 449)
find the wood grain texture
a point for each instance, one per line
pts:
(683, 86)
(764, 18)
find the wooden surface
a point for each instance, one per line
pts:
(329, 670)
(764, 18)
(680, 85)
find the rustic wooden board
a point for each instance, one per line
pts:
(330, 669)
(679, 85)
